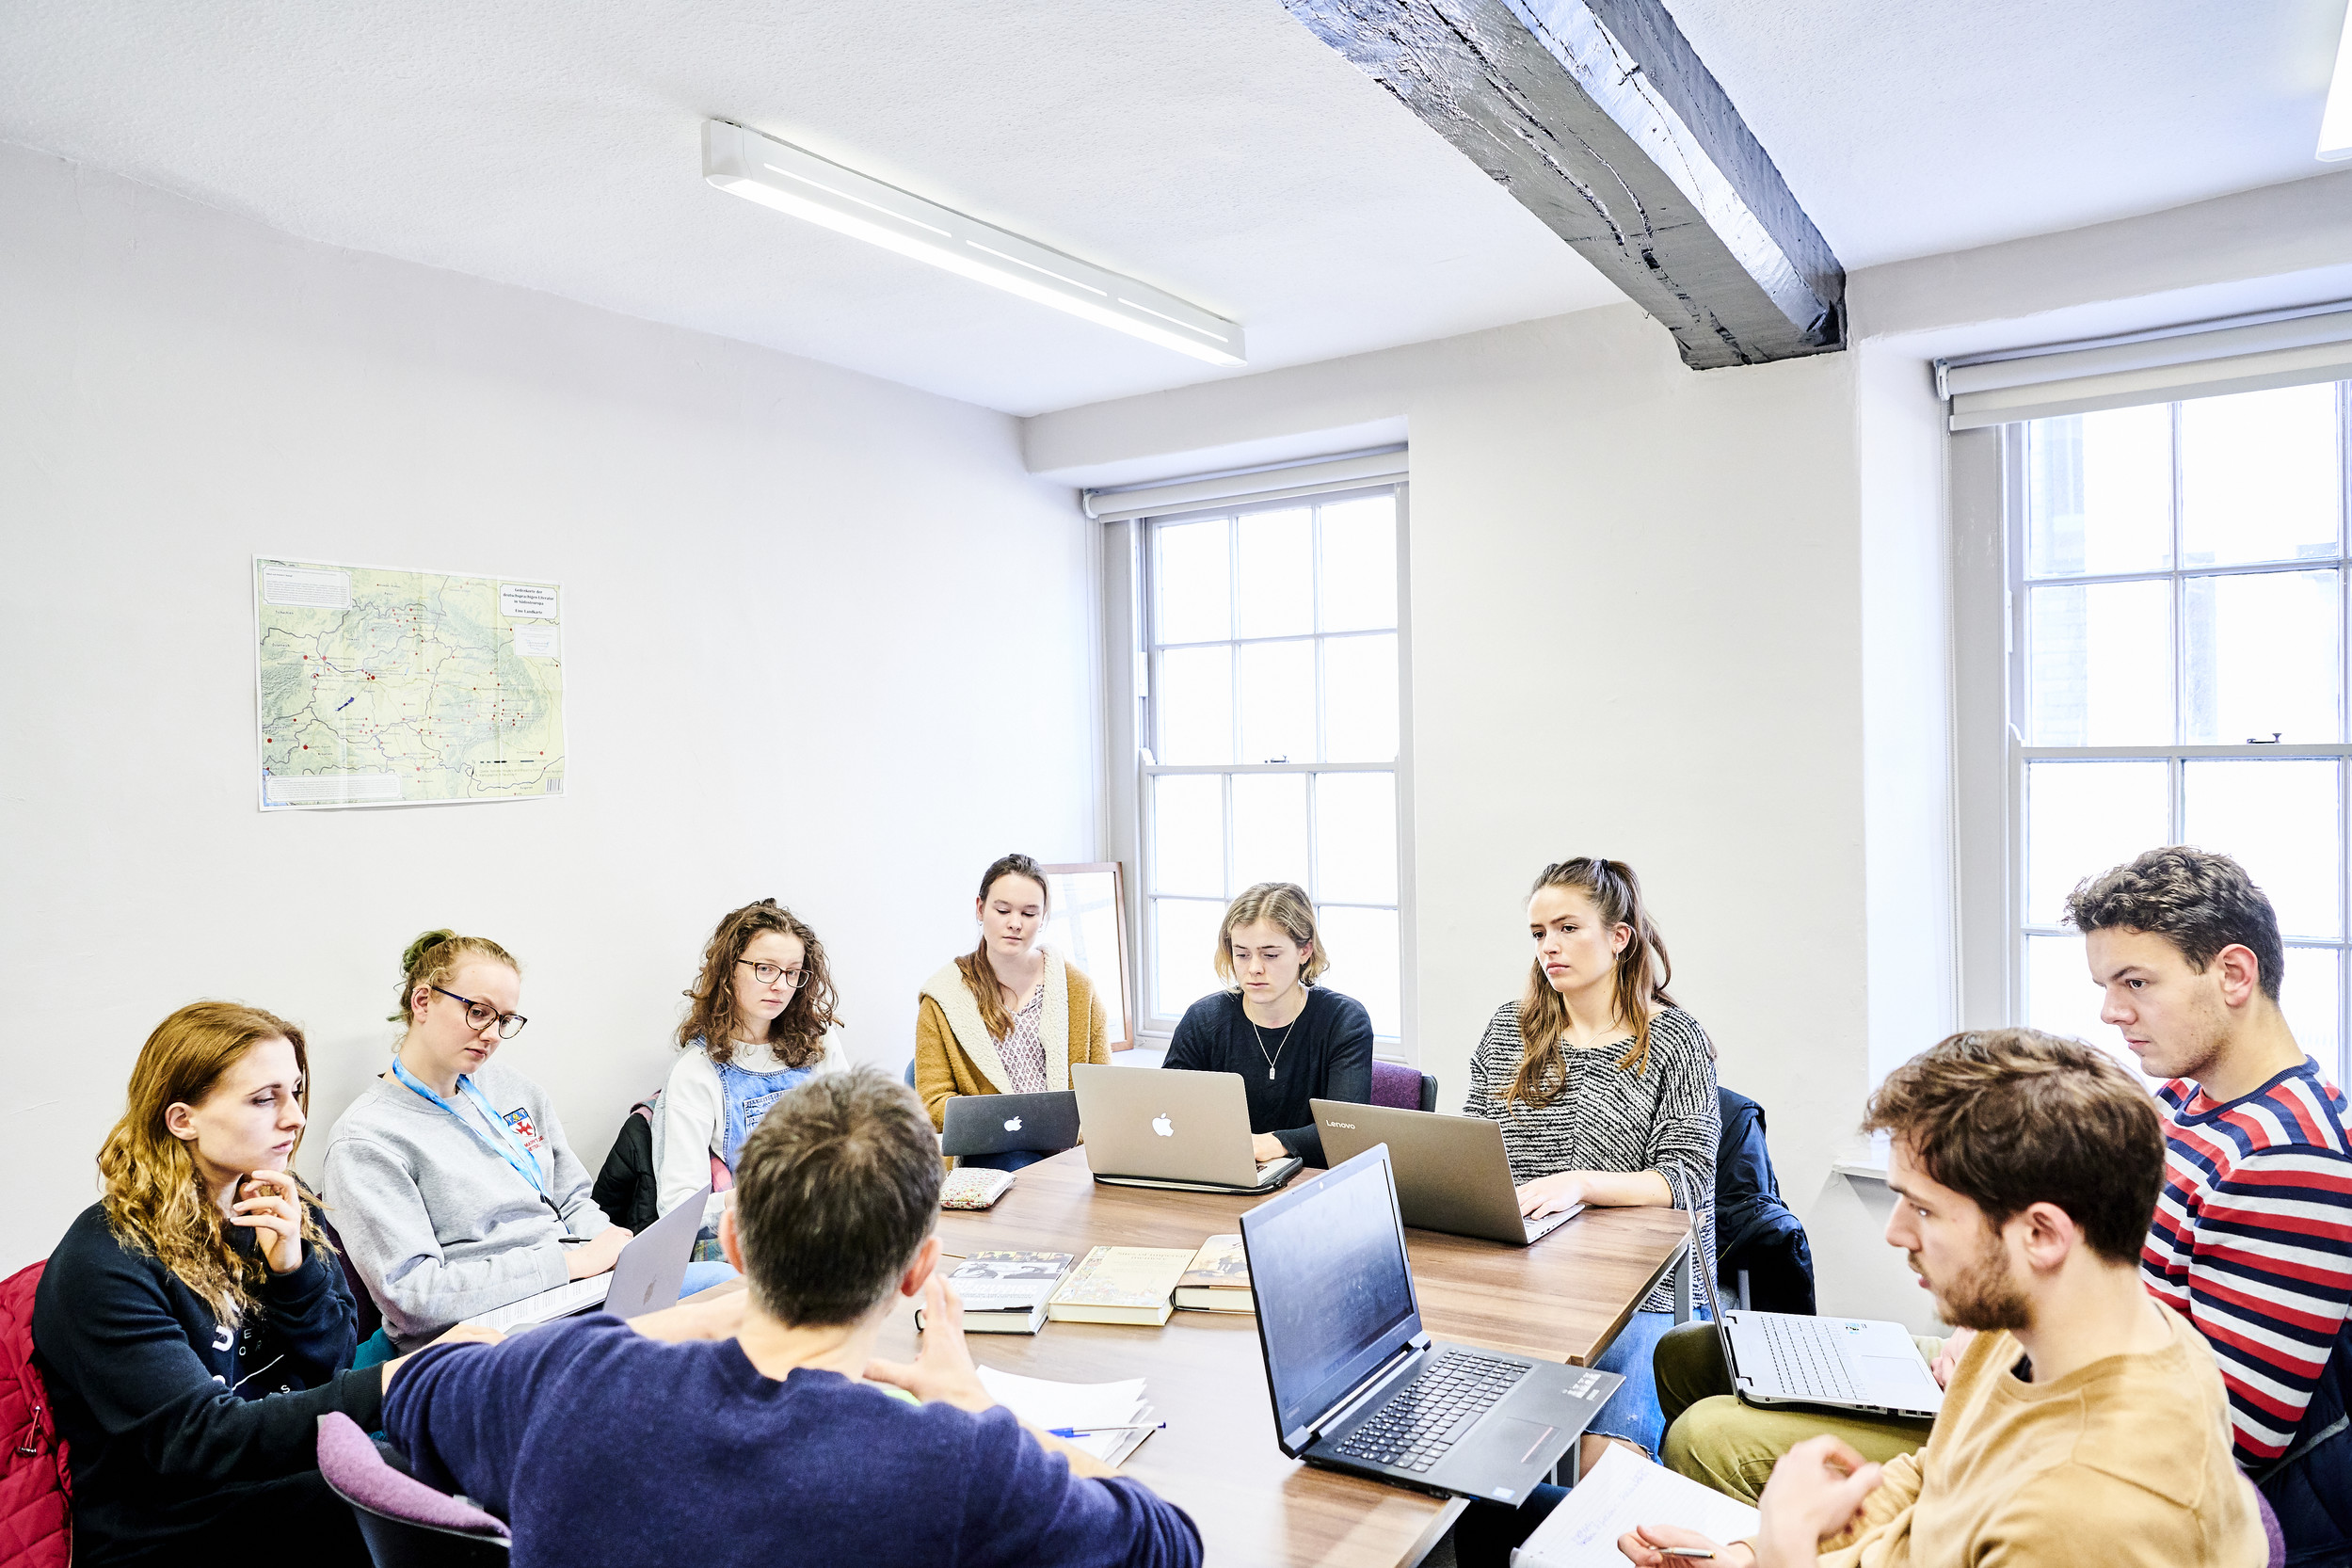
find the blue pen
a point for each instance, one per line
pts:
(1081, 1432)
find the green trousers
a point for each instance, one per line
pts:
(1714, 1438)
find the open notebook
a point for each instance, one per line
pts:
(1048, 1404)
(1621, 1491)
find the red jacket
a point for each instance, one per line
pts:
(35, 1491)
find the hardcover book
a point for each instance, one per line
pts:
(1121, 1285)
(1218, 1280)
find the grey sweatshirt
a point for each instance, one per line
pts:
(440, 1226)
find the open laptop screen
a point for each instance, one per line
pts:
(1327, 1265)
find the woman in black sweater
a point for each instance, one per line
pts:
(1290, 1039)
(193, 1325)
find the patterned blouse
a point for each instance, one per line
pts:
(1664, 1118)
(1023, 1050)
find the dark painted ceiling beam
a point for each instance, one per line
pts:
(1600, 119)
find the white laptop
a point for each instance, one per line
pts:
(644, 1278)
(1839, 1363)
(1158, 1126)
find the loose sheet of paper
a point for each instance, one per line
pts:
(1621, 1491)
(1045, 1403)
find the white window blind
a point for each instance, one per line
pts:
(2278, 348)
(1247, 487)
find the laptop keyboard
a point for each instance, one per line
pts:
(1428, 1416)
(1804, 1357)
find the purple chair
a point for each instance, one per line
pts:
(2271, 1532)
(1403, 1088)
(405, 1523)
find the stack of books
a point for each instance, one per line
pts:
(1005, 1292)
(1218, 1279)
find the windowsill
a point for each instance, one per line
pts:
(1862, 1161)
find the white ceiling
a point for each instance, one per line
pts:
(1211, 147)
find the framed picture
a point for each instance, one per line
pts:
(1086, 924)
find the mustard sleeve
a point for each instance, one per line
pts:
(935, 1078)
(1098, 1030)
(1885, 1511)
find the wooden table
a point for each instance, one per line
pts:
(1563, 1299)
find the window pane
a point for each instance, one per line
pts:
(2082, 818)
(2099, 492)
(2279, 820)
(1360, 698)
(1359, 577)
(1193, 705)
(1364, 962)
(1277, 576)
(1269, 829)
(1355, 837)
(2308, 998)
(1184, 933)
(1194, 580)
(1278, 701)
(1188, 834)
(2101, 664)
(2258, 476)
(2262, 657)
(2061, 1000)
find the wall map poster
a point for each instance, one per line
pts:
(380, 687)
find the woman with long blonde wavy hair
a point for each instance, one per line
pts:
(194, 1324)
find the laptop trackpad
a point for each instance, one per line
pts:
(1899, 1371)
(1507, 1437)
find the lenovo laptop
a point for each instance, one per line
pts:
(1155, 1127)
(1000, 1124)
(1839, 1363)
(1357, 1384)
(1451, 1171)
(644, 1278)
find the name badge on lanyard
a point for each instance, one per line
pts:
(507, 1147)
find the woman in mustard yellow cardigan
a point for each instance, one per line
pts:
(1008, 1017)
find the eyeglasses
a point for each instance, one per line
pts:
(768, 974)
(479, 1013)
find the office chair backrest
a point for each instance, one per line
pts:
(405, 1523)
(1403, 1088)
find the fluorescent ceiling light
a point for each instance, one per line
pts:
(2335, 122)
(776, 174)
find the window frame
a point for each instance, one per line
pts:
(1130, 590)
(2015, 651)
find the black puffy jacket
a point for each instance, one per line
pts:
(1753, 1230)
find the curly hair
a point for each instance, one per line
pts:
(798, 1031)
(154, 1195)
(2198, 901)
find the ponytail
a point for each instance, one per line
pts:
(1642, 971)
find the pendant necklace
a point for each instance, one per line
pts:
(1278, 1045)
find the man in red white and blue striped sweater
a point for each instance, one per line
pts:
(2252, 1236)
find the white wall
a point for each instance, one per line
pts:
(1639, 629)
(826, 639)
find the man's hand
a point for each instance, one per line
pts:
(270, 1205)
(1265, 1146)
(598, 1254)
(1551, 1195)
(1815, 1492)
(464, 1334)
(1947, 1360)
(1641, 1546)
(942, 1369)
(719, 1317)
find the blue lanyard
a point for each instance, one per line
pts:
(509, 1148)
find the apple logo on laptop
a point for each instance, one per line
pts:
(1012, 1125)
(1163, 1126)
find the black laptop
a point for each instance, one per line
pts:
(1000, 1124)
(1358, 1385)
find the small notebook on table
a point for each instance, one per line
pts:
(1117, 1406)
(1218, 1279)
(1121, 1285)
(1625, 1490)
(973, 1187)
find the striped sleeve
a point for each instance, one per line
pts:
(2269, 1285)
(1688, 1128)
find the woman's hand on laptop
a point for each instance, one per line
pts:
(597, 1255)
(1642, 1545)
(1266, 1148)
(1551, 1195)
(942, 1370)
(1948, 1359)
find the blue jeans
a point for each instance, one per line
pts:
(701, 1276)
(1632, 1412)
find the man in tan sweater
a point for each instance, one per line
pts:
(2086, 1422)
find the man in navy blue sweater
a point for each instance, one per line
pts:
(751, 1430)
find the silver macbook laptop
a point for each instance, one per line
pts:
(1000, 1124)
(644, 1278)
(1840, 1363)
(1152, 1127)
(1358, 1385)
(1451, 1171)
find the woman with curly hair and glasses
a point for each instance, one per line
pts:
(194, 1324)
(755, 1029)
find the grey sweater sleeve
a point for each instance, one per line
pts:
(386, 1222)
